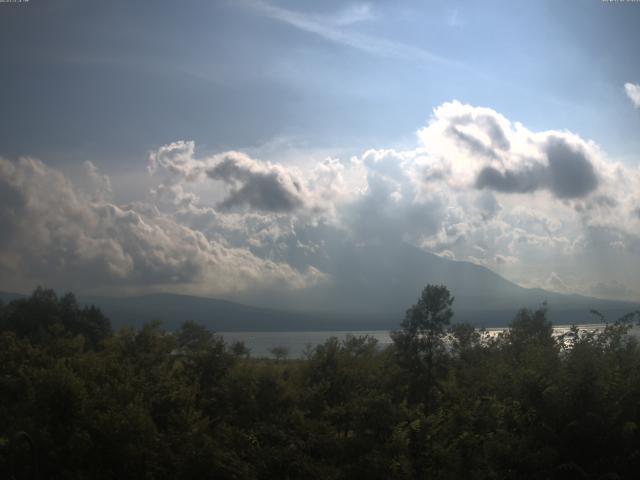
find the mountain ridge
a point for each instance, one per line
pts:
(374, 286)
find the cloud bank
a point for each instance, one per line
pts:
(543, 208)
(53, 234)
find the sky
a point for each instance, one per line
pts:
(228, 148)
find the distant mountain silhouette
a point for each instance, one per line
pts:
(219, 315)
(372, 288)
(382, 281)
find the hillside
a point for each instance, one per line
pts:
(376, 286)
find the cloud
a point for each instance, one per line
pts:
(252, 184)
(97, 185)
(550, 192)
(544, 208)
(387, 208)
(489, 124)
(489, 205)
(523, 181)
(460, 193)
(505, 259)
(332, 28)
(479, 146)
(355, 13)
(457, 194)
(613, 289)
(568, 173)
(633, 92)
(53, 232)
(260, 186)
(177, 159)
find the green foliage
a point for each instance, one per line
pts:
(44, 316)
(279, 352)
(420, 344)
(444, 401)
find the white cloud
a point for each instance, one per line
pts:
(554, 195)
(256, 185)
(98, 185)
(230, 222)
(53, 233)
(492, 153)
(633, 92)
(177, 159)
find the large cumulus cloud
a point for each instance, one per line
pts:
(567, 173)
(54, 233)
(543, 208)
(256, 185)
(490, 152)
(524, 203)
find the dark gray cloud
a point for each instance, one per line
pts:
(262, 187)
(571, 173)
(523, 181)
(568, 173)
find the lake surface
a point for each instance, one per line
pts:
(260, 343)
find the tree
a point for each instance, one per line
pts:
(531, 328)
(43, 316)
(279, 352)
(240, 349)
(88, 321)
(420, 341)
(193, 337)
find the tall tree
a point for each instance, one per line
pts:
(420, 341)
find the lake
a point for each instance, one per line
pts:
(260, 343)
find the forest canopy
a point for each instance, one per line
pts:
(445, 400)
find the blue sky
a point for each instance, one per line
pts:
(110, 80)
(499, 133)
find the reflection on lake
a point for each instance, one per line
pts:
(260, 343)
